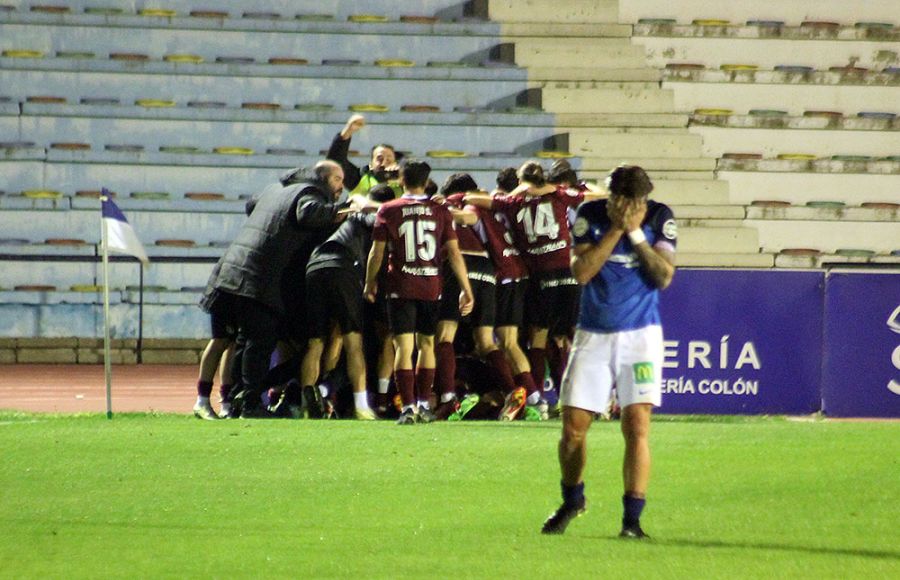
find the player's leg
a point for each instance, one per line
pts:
(330, 359)
(426, 326)
(585, 390)
(638, 377)
(402, 317)
(384, 367)
(445, 365)
(404, 376)
(444, 351)
(572, 453)
(226, 379)
(636, 466)
(356, 370)
(209, 362)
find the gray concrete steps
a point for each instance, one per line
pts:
(571, 11)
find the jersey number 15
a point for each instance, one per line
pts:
(419, 240)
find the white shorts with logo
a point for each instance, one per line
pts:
(630, 360)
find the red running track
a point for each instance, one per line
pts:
(82, 388)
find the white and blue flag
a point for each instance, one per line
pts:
(120, 236)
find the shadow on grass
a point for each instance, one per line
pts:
(763, 546)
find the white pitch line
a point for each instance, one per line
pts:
(2, 423)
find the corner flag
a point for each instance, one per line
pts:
(120, 235)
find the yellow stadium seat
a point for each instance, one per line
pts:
(714, 112)
(796, 156)
(188, 58)
(369, 108)
(15, 53)
(41, 194)
(446, 154)
(154, 103)
(739, 67)
(367, 18)
(553, 155)
(386, 62)
(157, 12)
(233, 150)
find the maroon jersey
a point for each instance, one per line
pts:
(470, 238)
(508, 264)
(540, 226)
(415, 230)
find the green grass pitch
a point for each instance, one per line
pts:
(169, 496)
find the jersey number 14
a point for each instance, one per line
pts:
(541, 223)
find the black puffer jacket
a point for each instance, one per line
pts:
(286, 223)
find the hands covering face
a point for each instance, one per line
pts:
(625, 213)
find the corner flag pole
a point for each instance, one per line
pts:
(107, 363)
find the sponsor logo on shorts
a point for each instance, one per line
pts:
(643, 373)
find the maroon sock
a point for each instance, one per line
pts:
(424, 384)
(406, 386)
(445, 373)
(224, 392)
(537, 358)
(526, 380)
(497, 359)
(204, 388)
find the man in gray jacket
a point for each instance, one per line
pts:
(288, 220)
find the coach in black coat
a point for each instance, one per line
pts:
(286, 221)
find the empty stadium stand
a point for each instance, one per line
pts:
(771, 128)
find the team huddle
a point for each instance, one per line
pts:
(459, 300)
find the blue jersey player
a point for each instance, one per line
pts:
(624, 255)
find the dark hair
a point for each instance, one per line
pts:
(382, 193)
(415, 173)
(507, 180)
(431, 188)
(532, 172)
(458, 183)
(385, 145)
(561, 172)
(629, 181)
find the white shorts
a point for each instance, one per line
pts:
(630, 360)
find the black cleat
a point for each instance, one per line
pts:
(408, 417)
(425, 415)
(559, 520)
(315, 405)
(633, 533)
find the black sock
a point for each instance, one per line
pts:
(633, 508)
(573, 495)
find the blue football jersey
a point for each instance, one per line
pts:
(619, 296)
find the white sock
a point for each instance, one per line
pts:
(384, 385)
(447, 397)
(534, 398)
(409, 408)
(203, 401)
(324, 390)
(361, 400)
(424, 404)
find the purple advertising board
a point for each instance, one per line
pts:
(862, 344)
(743, 342)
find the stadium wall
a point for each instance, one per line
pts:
(737, 341)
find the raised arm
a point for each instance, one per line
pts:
(588, 258)
(657, 264)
